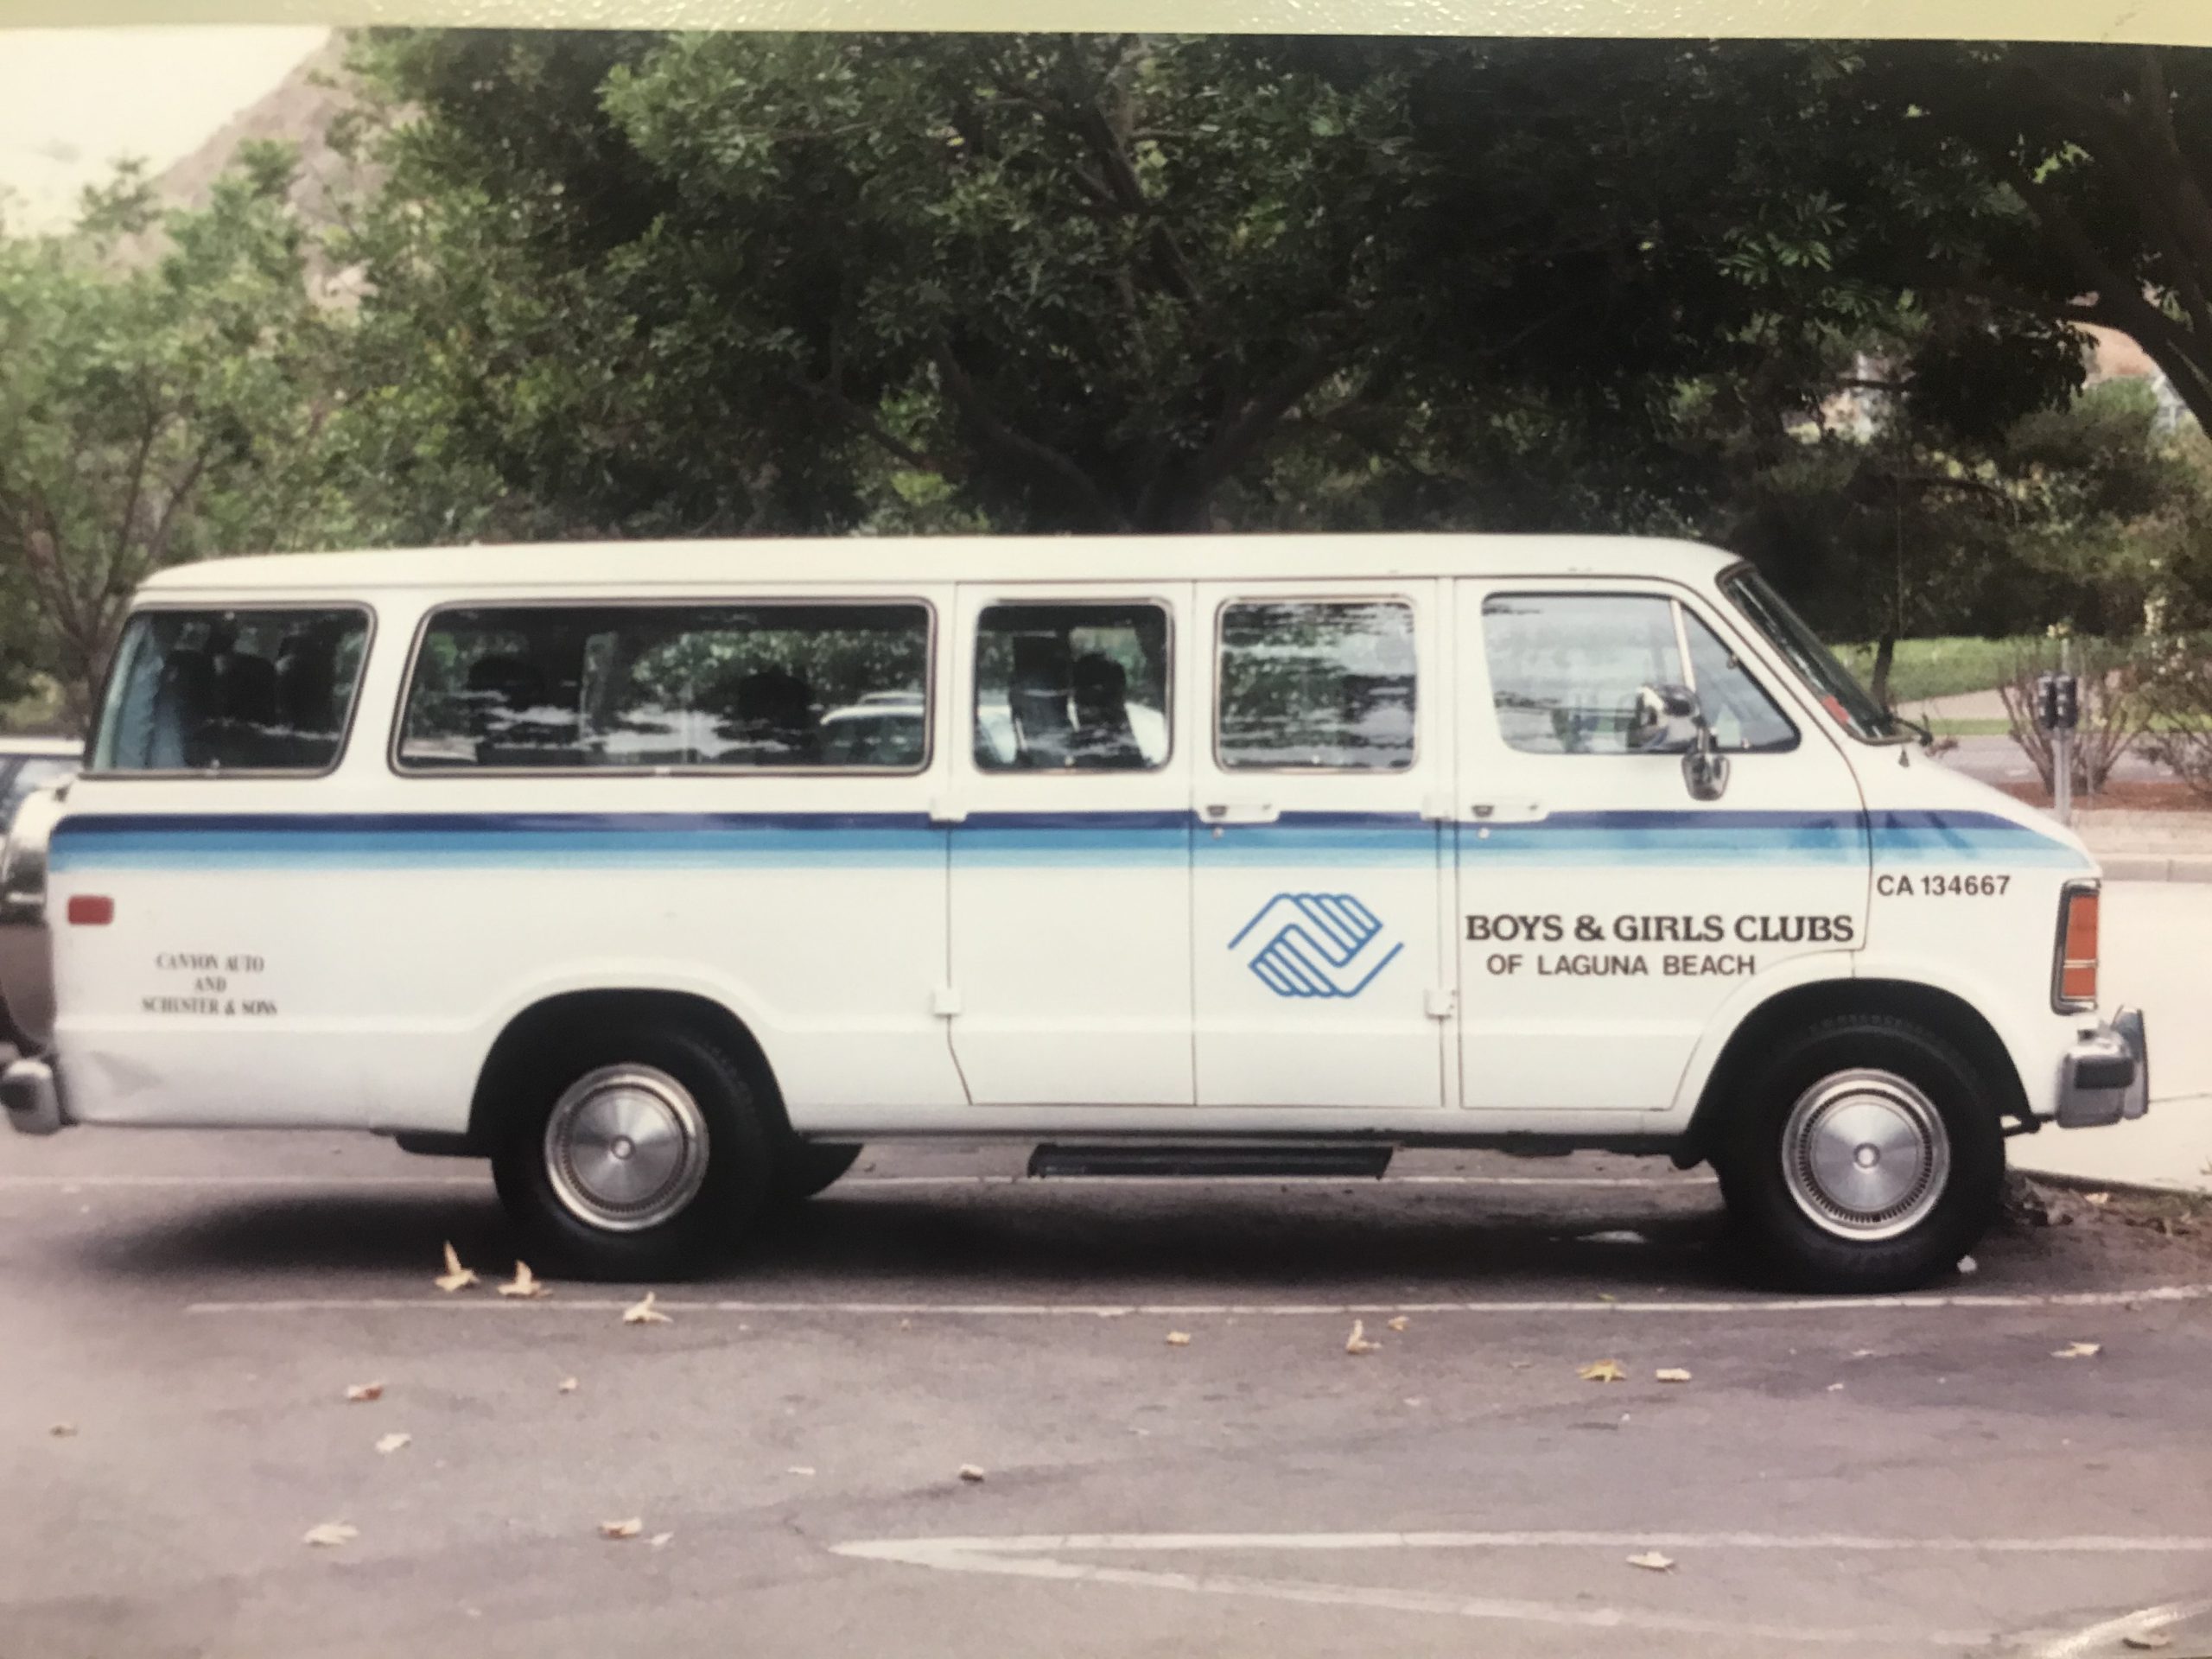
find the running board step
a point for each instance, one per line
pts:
(1347, 1162)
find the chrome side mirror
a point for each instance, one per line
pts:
(1664, 720)
(1669, 719)
(1705, 769)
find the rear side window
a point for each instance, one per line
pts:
(1072, 688)
(231, 691)
(1309, 684)
(652, 688)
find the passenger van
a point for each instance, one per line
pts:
(664, 876)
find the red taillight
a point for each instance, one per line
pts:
(2077, 949)
(90, 910)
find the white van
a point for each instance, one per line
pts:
(665, 875)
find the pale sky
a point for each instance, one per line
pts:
(73, 100)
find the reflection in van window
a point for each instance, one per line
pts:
(1566, 669)
(1309, 684)
(577, 687)
(231, 691)
(1742, 716)
(1072, 688)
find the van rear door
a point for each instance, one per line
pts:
(1070, 979)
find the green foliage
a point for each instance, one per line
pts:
(149, 412)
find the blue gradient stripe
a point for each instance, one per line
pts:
(105, 841)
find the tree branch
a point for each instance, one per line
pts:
(972, 404)
(868, 426)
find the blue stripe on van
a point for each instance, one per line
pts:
(699, 840)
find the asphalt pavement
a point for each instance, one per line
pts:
(1896, 1476)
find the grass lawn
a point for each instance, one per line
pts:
(1943, 667)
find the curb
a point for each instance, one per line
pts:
(2092, 1184)
(2154, 867)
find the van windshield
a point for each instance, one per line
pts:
(1846, 702)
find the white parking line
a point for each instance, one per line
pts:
(564, 1304)
(484, 1179)
(1038, 1556)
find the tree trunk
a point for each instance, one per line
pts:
(1886, 651)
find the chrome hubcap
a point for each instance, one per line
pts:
(1866, 1155)
(626, 1147)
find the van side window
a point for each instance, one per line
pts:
(588, 688)
(1567, 672)
(1072, 688)
(220, 690)
(1321, 684)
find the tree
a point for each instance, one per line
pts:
(149, 414)
(734, 282)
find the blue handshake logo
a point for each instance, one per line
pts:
(1316, 944)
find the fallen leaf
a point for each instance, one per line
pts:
(629, 1528)
(2140, 1639)
(644, 1312)
(659, 1539)
(1835, 1387)
(455, 1277)
(2078, 1351)
(2096, 1198)
(62, 1431)
(526, 1283)
(1604, 1371)
(330, 1535)
(567, 1386)
(391, 1443)
(970, 1472)
(1179, 1338)
(361, 1391)
(1671, 1374)
(1652, 1562)
(1607, 1296)
(800, 1469)
(1862, 1353)
(1358, 1343)
(1400, 1323)
(1967, 1264)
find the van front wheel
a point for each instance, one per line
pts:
(639, 1155)
(1866, 1157)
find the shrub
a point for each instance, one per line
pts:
(2116, 709)
(2178, 692)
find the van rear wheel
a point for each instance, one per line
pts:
(1866, 1157)
(638, 1155)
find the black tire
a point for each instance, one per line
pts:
(730, 1196)
(1774, 1217)
(806, 1167)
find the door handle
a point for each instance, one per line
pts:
(1508, 812)
(1239, 813)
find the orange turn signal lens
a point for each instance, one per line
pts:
(2077, 949)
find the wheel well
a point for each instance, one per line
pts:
(1950, 1017)
(543, 1023)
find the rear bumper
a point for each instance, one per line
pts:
(32, 1096)
(2106, 1078)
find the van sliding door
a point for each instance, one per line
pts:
(1320, 876)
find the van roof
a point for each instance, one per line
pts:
(709, 564)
